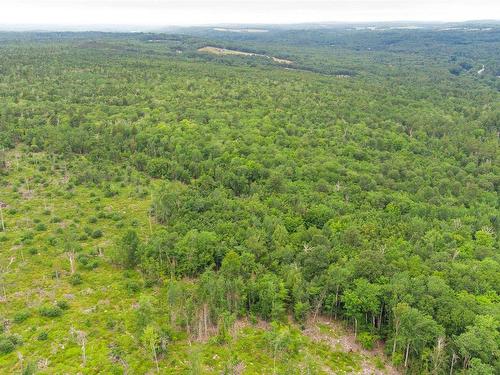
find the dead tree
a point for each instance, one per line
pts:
(81, 339)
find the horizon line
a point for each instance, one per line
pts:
(61, 26)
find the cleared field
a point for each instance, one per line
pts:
(225, 51)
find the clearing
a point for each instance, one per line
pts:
(224, 51)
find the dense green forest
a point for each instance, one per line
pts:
(164, 209)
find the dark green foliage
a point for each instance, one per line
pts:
(43, 336)
(97, 233)
(41, 227)
(75, 279)
(50, 311)
(63, 305)
(21, 316)
(128, 249)
(6, 346)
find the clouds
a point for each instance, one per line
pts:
(189, 12)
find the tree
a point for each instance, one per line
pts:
(81, 339)
(363, 299)
(270, 294)
(196, 252)
(128, 249)
(481, 340)
(476, 367)
(150, 339)
(283, 341)
(167, 204)
(414, 330)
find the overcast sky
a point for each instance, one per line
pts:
(192, 12)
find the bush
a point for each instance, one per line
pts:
(30, 369)
(50, 311)
(43, 336)
(52, 241)
(75, 279)
(63, 305)
(9, 343)
(97, 233)
(6, 346)
(367, 340)
(21, 316)
(132, 286)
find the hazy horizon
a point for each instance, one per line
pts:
(155, 28)
(171, 13)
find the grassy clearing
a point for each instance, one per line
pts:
(225, 51)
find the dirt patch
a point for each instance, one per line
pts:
(338, 338)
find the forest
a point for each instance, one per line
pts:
(168, 210)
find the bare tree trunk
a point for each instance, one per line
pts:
(336, 301)
(355, 328)
(71, 258)
(407, 353)
(200, 327)
(84, 354)
(205, 319)
(452, 363)
(156, 360)
(397, 323)
(1, 218)
(318, 305)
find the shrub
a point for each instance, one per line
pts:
(6, 346)
(43, 336)
(9, 343)
(21, 316)
(63, 305)
(50, 311)
(132, 286)
(97, 233)
(30, 369)
(367, 340)
(52, 241)
(75, 279)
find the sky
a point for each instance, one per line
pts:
(198, 12)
